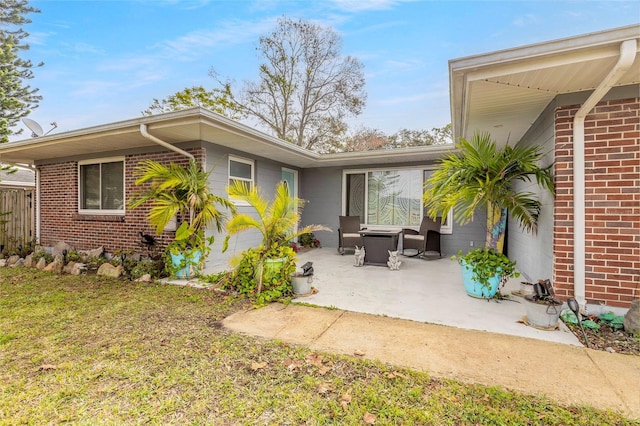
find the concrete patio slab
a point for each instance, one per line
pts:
(428, 291)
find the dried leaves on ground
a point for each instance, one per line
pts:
(91, 350)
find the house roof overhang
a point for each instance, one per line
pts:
(198, 124)
(504, 92)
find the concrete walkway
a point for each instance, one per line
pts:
(564, 373)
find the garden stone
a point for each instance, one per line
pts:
(55, 266)
(146, 278)
(41, 264)
(109, 270)
(632, 318)
(19, 263)
(3, 263)
(68, 267)
(78, 268)
(12, 260)
(97, 252)
(28, 261)
(60, 247)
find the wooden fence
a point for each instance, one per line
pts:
(17, 218)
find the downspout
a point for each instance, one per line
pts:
(628, 50)
(146, 134)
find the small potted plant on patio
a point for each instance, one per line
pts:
(485, 271)
(182, 192)
(274, 259)
(482, 176)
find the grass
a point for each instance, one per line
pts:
(89, 350)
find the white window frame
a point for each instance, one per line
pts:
(251, 181)
(444, 229)
(124, 190)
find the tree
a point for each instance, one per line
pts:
(197, 96)
(367, 139)
(482, 175)
(306, 88)
(16, 99)
(406, 138)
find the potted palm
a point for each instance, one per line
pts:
(482, 176)
(182, 192)
(276, 222)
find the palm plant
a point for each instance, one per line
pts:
(482, 175)
(275, 221)
(181, 191)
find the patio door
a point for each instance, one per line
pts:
(290, 179)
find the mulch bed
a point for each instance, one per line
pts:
(607, 338)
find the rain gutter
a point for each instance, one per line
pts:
(628, 49)
(146, 134)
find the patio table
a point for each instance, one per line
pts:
(377, 244)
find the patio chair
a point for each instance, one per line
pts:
(426, 239)
(348, 233)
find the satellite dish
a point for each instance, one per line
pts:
(36, 129)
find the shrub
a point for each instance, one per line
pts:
(275, 284)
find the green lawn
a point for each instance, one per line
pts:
(86, 350)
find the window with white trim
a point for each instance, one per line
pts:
(101, 186)
(388, 198)
(241, 169)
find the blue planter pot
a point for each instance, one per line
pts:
(190, 263)
(476, 289)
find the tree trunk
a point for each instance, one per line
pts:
(496, 226)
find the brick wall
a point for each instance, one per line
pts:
(59, 216)
(612, 198)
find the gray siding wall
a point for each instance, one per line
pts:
(322, 188)
(267, 175)
(534, 252)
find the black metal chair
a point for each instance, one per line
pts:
(348, 233)
(426, 239)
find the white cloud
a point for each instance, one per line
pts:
(365, 5)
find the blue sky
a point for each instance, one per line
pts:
(105, 61)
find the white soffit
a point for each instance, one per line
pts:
(505, 92)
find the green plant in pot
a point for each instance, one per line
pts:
(177, 191)
(276, 221)
(482, 176)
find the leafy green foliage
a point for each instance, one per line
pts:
(216, 100)
(254, 266)
(308, 240)
(483, 176)
(486, 264)
(17, 99)
(175, 190)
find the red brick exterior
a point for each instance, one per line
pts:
(60, 221)
(612, 198)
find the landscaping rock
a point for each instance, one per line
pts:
(12, 260)
(109, 270)
(98, 252)
(3, 263)
(146, 278)
(28, 261)
(55, 266)
(41, 264)
(68, 267)
(78, 268)
(19, 263)
(60, 247)
(632, 318)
